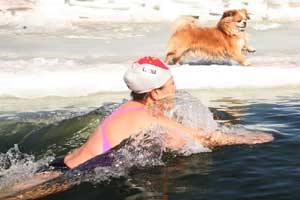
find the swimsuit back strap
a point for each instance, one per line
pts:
(119, 111)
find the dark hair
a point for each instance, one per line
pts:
(138, 96)
(141, 96)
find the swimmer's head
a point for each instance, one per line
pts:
(146, 74)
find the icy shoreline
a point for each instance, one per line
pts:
(41, 12)
(71, 83)
(44, 54)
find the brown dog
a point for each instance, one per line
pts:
(227, 40)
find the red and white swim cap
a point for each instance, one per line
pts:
(146, 74)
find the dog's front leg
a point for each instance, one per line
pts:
(240, 58)
(246, 46)
(249, 49)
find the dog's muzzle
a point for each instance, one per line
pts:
(244, 25)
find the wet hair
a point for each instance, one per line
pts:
(141, 96)
(138, 96)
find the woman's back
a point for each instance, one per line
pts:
(128, 119)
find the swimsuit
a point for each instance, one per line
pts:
(106, 146)
(101, 160)
(106, 158)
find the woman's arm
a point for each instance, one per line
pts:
(215, 138)
(219, 138)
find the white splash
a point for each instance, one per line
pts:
(189, 111)
(144, 149)
(16, 167)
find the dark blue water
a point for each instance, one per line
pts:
(266, 171)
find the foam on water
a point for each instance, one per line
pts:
(16, 167)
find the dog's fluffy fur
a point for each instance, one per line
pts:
(228, 40)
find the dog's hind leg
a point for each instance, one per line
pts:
(176, 59)
(175, 56)
(170, 58)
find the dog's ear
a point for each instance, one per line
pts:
(228, 13)
(246, 13)
(247, 16)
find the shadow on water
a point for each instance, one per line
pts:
(194, 61)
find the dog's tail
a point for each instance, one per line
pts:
(173, 55)
(184, 22)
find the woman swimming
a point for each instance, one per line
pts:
(150, 82)
(152, 90)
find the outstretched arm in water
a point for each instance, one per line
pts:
(219, 138)
(216, 138)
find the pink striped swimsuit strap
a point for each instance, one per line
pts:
(119, 111)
